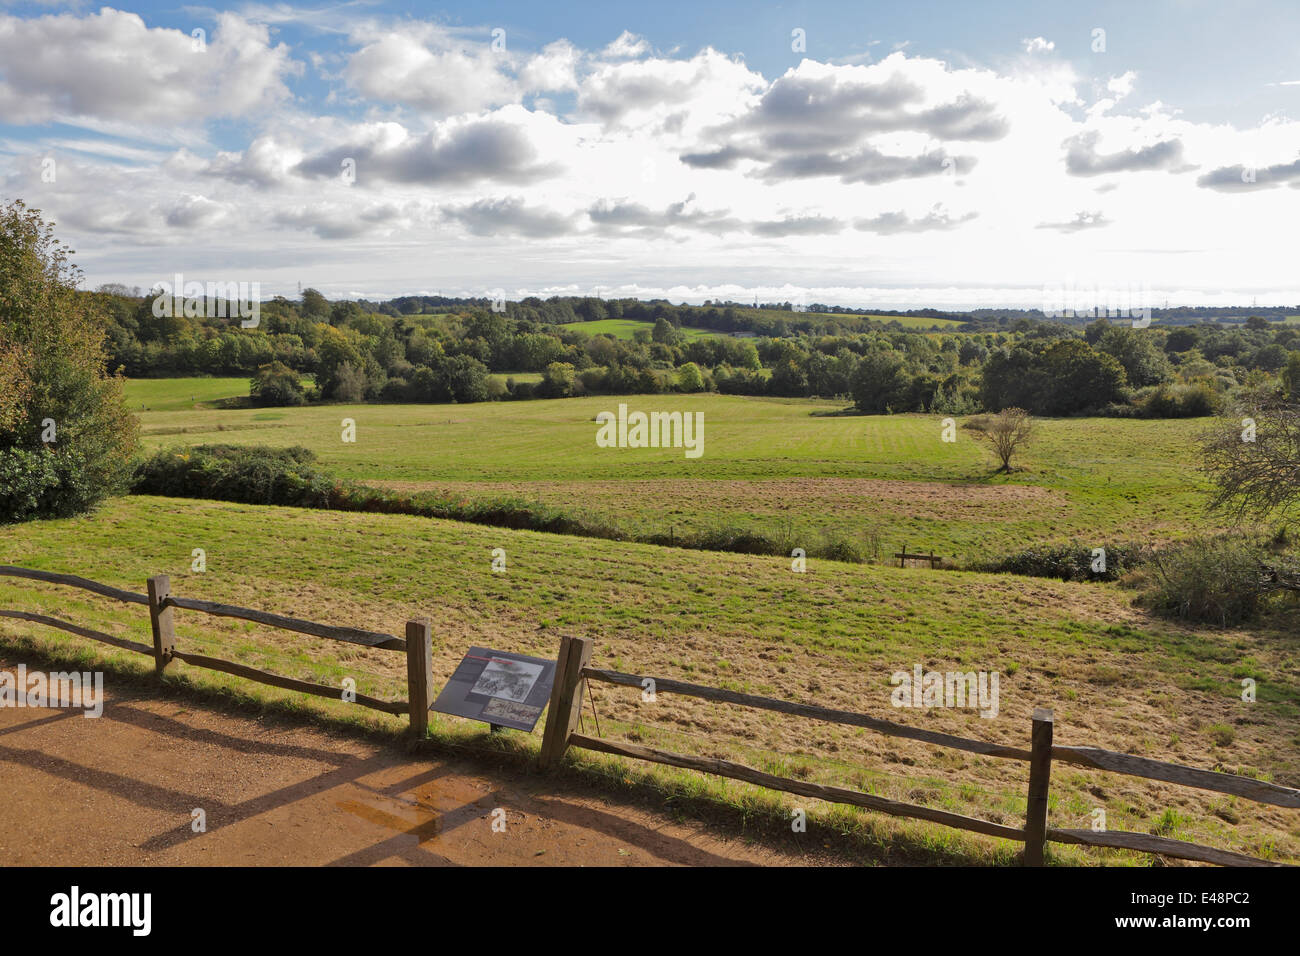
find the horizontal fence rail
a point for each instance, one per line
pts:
(71, 580)
(566, 703)
(664, 685)
(417, 644)
(350, 635)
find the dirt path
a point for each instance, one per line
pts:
(119, 790)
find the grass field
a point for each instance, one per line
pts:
(177, 394)
(624, 328)
(1115, 677)
(779, 466)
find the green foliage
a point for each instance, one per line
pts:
(1071, 561)
(251, 474)
(879, 384)
(276, 384)
(1215, 580)
(61, 414)
(1065, 377)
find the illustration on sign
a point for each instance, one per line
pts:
(503, 689)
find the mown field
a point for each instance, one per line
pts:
(624, 328)
(1115, 677)
(788, 467)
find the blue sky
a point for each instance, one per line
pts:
(907, 154)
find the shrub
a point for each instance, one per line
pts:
(252, 474)
(276, 384)
(1069, 562)
(1217, 580)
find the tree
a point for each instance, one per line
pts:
(1006, 432)
(276, 384)
(1253, 458)
(879, 383)
(1291, 376)
(66, 438)
(1135, 349)
(689, 378)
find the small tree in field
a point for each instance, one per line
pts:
(1006, 432)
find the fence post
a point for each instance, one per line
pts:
(1040, 772)
(160, 618)
(419, 674)
(566, 698)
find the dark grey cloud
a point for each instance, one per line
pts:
(510, 217)
(724, 158)
(1237, 178)
(1082, 220)
(807, 126)
(624, 218)
(483, 150)
(891, 223)
(796, 226)
(1082, 158)
(330, 222)
(866, 165)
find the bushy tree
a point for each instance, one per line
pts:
(879, 384)
(66, 439)
(276, 384)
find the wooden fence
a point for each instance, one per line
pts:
(574, 670)
(418, 643)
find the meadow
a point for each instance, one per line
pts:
(833, 635)
(1116, 676)
(792, 468)
(625, 328)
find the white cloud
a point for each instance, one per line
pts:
(626, 165)
(424, 72)
(111, 67)
(627, 45)
(1038, 45)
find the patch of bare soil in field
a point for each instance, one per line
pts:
(902, 498)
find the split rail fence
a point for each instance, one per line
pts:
(573, 670)
(417, 645)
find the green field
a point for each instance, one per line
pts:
(1116, 676)
(787, 466)
(906, 321)
(624, 328)
(833, 635)
(177, 394)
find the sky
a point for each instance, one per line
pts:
(926, 154)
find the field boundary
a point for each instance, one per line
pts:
(417, 645)
(565, 706)
(573, 672)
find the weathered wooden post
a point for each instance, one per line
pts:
(1040, 773)
(566, 698)
(160, 618)
(419, 674)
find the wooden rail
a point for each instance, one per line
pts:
(904, 556)
(348, 634)
(664, 685)
(417, 644)
(572, 672)
(71, 580)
